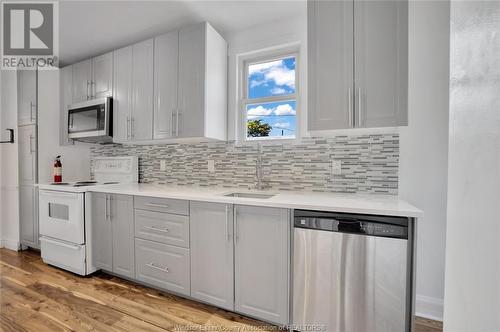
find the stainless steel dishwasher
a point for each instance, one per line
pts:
(352, 273)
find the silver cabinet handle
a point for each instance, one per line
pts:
(358, 109)
(351, 115)
(132, 127)
(128, 126)
(153, 228)
(156, 205)
(172, 123)
(105, 207)
(92, 84)
(177, 123)
(236, 230)
(32, 105)
(31, 144)
(226, 225)
(88, 83)
(159, 268)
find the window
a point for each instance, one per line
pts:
(269, 103)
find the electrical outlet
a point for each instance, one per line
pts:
(163, 165)
(211, 166)
(336, 167)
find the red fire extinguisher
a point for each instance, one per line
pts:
(57, 169)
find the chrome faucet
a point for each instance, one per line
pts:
(258, 169)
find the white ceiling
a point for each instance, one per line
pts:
(89, 28)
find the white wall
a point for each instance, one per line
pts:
(472, 293)
(424, 146)
(75, 159)
(9, 208)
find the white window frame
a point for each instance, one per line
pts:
(262, 57)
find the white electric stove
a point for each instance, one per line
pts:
(63, 215)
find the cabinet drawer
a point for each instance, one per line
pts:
(162, 266)
(162, 227)
(175, 206)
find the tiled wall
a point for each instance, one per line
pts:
(369, 163)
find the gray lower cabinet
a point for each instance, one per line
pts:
(163, 266)
(102, 236)
(262, 262)
(113, 233)
(212, 264)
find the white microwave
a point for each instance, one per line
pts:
(91, 121)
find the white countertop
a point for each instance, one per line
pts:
(351, 203)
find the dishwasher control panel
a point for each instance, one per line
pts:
(393, 227)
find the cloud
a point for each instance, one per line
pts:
(281, 125)
(256, 112)
(284, 109)
(278, 91)
(275, 71)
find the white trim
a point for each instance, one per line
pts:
(429, 307)
(259, 56)
(10, 244)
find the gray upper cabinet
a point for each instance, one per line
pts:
(358, 64)
(102, 75)
(102, 236)
(330, 64)
(381, 63)
(165, 84)
(262, 262)
(212, 270)
(122, 93)
(202, 84)
(92, 78)
(133, 93)
(82, 80)
(113, 233)
(27, 97)
(142, 91)
(66, 95)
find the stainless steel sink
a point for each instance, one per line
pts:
(250, 195)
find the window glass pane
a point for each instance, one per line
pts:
(271, 120)
(273, 78)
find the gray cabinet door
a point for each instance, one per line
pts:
(102, 244)
(165, 84)
(330, 64)
(27, 154)
(190, 115)
(28, 218)
(122, 93)
(82, 80)
(142, 91)
(66, 84)
(381, 63)
(26, 97)
(102, 75)
(122, 219)
(211, 228)
(262, 263)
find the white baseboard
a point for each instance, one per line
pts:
(429, 307)
(10, 244)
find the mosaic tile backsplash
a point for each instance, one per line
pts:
(369, 163)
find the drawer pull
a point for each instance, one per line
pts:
(163, 230)
(156, 205)
(159, 268)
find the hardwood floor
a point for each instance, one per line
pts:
(37, 297)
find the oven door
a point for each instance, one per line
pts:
(62, 215)
(90, 119)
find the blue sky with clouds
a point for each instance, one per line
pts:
(274, 78)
